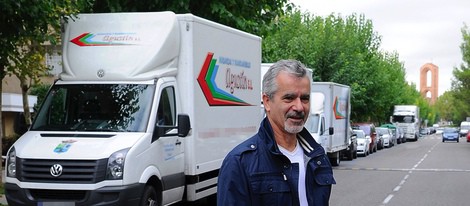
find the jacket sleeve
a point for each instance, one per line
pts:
(232, 186)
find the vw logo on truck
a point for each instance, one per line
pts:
(56, 170)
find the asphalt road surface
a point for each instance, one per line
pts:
(423, 173)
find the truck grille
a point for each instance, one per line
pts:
(74, 171)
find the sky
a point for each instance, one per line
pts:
(419, 31)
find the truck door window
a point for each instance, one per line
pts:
(166, 114)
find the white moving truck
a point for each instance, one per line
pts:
(144, 112)
(464, 128)
(407, 118)
(329, 117)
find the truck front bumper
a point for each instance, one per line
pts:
(115, 195)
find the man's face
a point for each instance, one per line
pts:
(289, 108)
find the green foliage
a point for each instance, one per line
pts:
(23, 22)
(346, 51)
(39, 90)
(246, 15)
(445, 105)
(461, 81)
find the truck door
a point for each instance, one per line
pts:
(170, 160)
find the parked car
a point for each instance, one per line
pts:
(393, 136)
(363, 143)
(369, 130)
(388, 140)
(351, 151)
(401, 135)
(450, 134)
(380, 141)
(424, 131)
(397, 133)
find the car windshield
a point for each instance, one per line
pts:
(96, 107)
(359, 134)
(364, 128)
(403, 119)
(450, 130)
(382, 131)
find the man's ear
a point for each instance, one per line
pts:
(266, 103)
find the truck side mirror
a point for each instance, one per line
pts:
(184, 125)
(331, 131)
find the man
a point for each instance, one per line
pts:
(281, 164)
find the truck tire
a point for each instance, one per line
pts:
(335, 159)
(149, 197)
(350, 154)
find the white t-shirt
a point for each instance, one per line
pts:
(297, 156)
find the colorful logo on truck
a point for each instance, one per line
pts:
(106, 39)
(340, 108)
(216, 96)
(64, 146)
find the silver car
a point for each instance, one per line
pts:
(363, 143)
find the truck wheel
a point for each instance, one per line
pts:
(350, 155)
(335, 159)
(149, 197)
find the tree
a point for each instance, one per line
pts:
(247, 15)
(343, 50)
(445, 106)
(461, 81)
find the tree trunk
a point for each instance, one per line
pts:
(24, 93)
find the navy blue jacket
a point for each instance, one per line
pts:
(256, 173)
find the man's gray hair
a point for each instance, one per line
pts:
(290, 66)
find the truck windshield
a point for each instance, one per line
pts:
(403, 119)
(96, 107)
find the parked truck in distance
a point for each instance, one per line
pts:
(407, 118)
(329, 117)
(145, 110)
(464, 128)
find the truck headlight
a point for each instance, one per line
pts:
(115, 169)
(11, 163)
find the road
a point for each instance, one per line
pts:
(423, 173)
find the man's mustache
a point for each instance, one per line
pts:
(297, 115)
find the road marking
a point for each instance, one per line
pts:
(402, 169)
(403, 181)
(389, 197)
